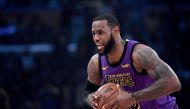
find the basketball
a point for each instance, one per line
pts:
(107, 93)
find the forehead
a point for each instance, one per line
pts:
(100, 25)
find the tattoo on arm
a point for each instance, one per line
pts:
(93, 71)
(148, 59)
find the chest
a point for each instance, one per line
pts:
(123, 74)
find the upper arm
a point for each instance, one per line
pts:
(93, 70)
(166, 81)
(146, 58)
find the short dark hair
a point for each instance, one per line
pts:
(111, 19)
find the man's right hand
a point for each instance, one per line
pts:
(92, 100)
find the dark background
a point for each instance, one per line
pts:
(45, 46)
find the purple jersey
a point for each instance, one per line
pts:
(124, 73)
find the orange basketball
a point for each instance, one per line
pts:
(107, 93)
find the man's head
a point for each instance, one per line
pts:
(104, 30)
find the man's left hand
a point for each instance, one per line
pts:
(124, 100)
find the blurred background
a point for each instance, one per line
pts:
(45, 46)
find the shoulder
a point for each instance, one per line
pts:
(141, 48)
(94, 60)
(93, 70)
(143, 56)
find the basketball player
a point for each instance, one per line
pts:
(146, 80)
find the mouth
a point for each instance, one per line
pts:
(100, 47)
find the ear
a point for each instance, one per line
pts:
(115, 29)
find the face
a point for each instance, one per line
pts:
(102, 36)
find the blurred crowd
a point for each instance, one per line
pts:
(45, 46)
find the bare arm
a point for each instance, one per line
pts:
(166, 81)
(93, 71)
(94, 81)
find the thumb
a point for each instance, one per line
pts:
(119, 88)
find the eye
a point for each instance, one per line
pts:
(100, 32)
(93, 33)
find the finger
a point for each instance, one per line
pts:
(93, 102)
(109, 105)
(115, 107)
(95, 96)
(94, 107)
(120, 88)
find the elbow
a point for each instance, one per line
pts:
(178, 86)
(175, 85)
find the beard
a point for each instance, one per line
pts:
(108, 46)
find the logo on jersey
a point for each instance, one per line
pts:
(125, 65)
(104, 68)
(124, 79)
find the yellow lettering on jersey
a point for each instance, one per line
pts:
(124, 79)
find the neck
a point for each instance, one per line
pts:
(117, 51)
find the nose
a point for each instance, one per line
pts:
(96, 38)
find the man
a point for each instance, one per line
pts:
(146, 80)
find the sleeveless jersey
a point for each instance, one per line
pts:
(124, 73)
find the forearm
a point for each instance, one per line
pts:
(161, 87)
(88, 89)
